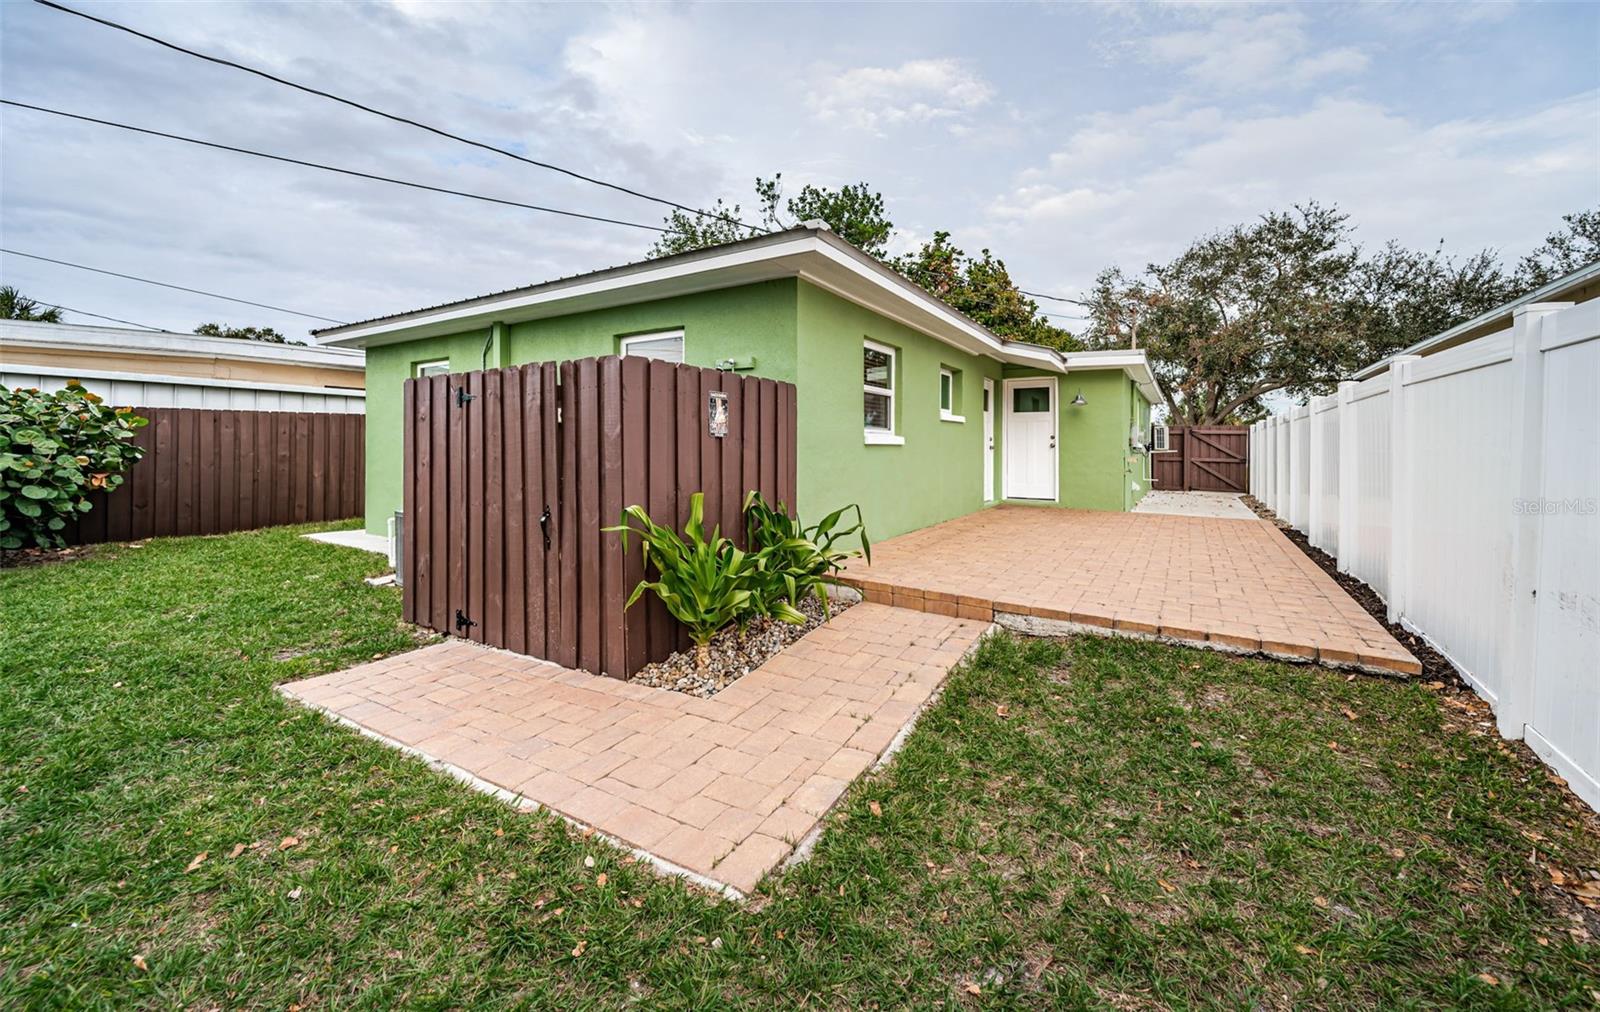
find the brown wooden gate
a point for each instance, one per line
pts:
(1203, 458)
(510, 474)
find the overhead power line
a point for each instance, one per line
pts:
(334, 168)
(394, 117)
(100, 316)
(1053, 298)
(163, 284)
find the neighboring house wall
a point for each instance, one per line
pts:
(937, 474)
(149, 391)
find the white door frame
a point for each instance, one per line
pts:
(988, 440)
(1055, 431)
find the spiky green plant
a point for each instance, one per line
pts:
(705, 583)
(795, 560)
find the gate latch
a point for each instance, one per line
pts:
(463, 622)
(544, 526)
(462, 397)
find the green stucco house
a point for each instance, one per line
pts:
(904, 405)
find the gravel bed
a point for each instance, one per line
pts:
(733, 656)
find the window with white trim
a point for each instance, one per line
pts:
(438, 367)
(877, 389)
(949, 395)
(666, 346)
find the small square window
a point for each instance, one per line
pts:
(1026, 400)
(663, 347)
(438, 367)
(949, 394)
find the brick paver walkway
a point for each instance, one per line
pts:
(1234, 584)
(724, 787)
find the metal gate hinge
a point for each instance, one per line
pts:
(462, 397)
(463, 622)
(544, 526)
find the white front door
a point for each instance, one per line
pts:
(1030, 451)
(988, 440)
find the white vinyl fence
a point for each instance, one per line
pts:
(1464, 488)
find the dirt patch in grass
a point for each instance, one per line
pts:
(21, 558)
(734, 654)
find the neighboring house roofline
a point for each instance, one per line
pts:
(814, 254)
(208, 382)
(33, 334)
(1485, 323)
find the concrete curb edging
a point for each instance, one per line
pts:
(1033, 625)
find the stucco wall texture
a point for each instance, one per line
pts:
(800, 333)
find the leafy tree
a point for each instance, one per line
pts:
(1287, 303)
(266, 334)
(56, 448)
(980, 286)
(853, 211)
(16, 306)
(1564, 251)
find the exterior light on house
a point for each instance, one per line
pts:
(1078, 401)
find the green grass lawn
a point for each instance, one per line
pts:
(1095, 823)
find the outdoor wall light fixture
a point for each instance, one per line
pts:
(1078, 401)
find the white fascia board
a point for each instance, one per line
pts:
(183, 381)
(103, 340)
(480, 314)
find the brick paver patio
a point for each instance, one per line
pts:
(1235, 584)
(723, 787)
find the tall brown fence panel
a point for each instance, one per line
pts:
(209, 471)
(512, 474)
(1203, 458)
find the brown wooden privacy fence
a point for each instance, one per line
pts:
(1203, 458)
(208, 471)
(510, 474)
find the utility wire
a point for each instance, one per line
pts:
(395, 117)
(1036, 295)
(334, 168)
(163, 284)
(99, 316)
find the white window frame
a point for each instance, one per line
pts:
(661, 335)
(882, 437)
(948, 414)
(416, 369)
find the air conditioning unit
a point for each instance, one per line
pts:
(1158, 438)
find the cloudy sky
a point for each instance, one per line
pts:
(1066, 138)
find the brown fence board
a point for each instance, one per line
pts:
(494, 511)
(212, 471)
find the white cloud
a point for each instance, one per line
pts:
(1145, 184)
(917, 91)
(1249, 51)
